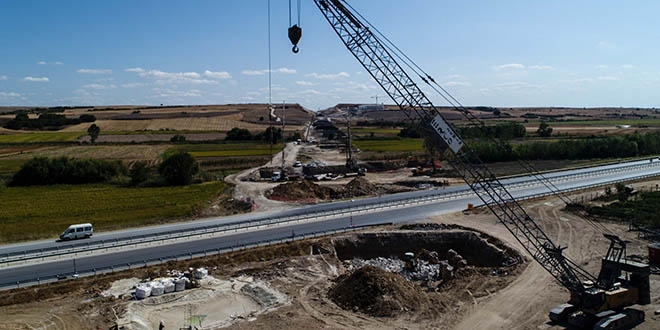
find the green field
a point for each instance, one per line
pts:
(48, 210)
(40, 137)
(155, 132)
(380, 132)
(227, 149)
(389, 145)
(607, 122)
(10, 166)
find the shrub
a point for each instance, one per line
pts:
(179, 168)
(238, 134)
(63, 170)
(139, 173)
(177, 138)
(86, 118)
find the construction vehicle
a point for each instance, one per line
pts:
(351, 162)
(620, 282)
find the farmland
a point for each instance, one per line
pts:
(382, 145)
(47, 210)
(40, 137)
(228, 149)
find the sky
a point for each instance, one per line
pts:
(505, 53)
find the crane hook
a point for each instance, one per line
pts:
(295, 33)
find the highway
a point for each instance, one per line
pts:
(24, 263)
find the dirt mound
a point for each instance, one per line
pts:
(377, 292)
(361, 187)
(301, 190)
(358, 187)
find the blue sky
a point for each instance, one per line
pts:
(497, 53)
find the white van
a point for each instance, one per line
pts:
(82, 230)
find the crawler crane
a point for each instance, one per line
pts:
(590, 295)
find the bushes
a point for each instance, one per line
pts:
(242, 134)
(238, 134)
(179, 168)
(46, 120)
(505, 131)
(63, 170)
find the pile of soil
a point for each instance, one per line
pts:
(301, 190)
(377, 292)
(360, 187)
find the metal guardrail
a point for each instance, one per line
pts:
(175, 257)
(21, 256)
(271, 220)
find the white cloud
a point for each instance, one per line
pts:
(273, 88)
(3, 77)
(304, 83)
(455, 83)
(512, 87)
(50, 63)
(36, 79)
(454, 77)
(601, 66)
(589, 80)
(177, 95)
(254, 72)
(170, 75)
(138, 70)
(513, 66)
(99, 86)
(310, 92)
(94, 71)
(163, 77)
(578, 80)
(542, 67)
(6, 95)
(328, 76)
(628, 66)
(133, 85)
(263, 72)
(285, 70)
(217, 75)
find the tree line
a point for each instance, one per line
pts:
(274, 135)
(46, 120)
(178, 168)
(504, 131)
(596, 147)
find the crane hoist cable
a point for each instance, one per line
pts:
(295, 31)
(270, 88)
(472, 120)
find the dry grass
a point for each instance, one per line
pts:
(126, 153)
(195, 124)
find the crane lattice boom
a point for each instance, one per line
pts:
(377, 60)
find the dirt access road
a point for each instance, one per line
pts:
(525, 303)
(256, 189)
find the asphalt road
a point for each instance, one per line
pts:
(520, 187)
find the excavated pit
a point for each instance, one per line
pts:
(478, 249)
(383, 279)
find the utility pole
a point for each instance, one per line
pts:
(283, 139)
(375, 97)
